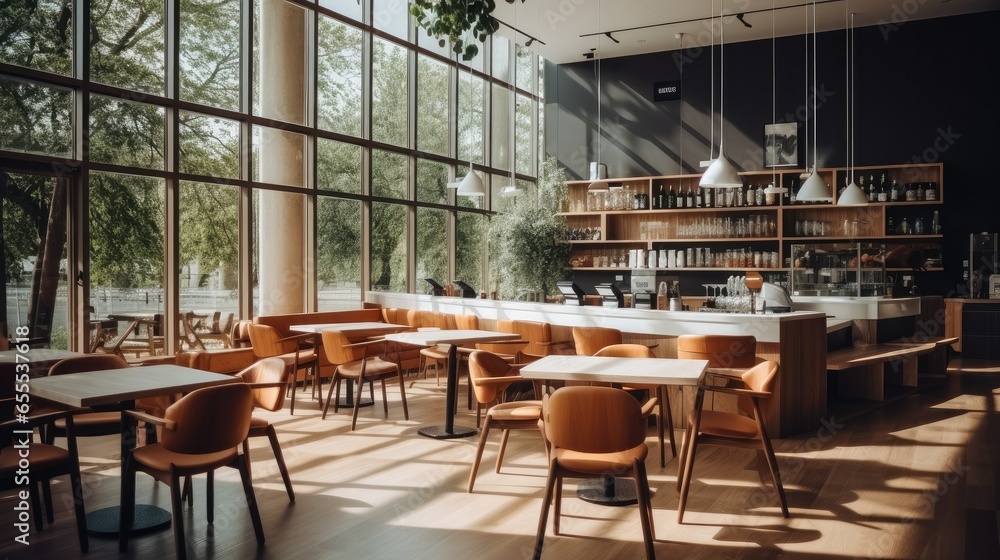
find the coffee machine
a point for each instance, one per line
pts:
(984, 274)
(644, 288)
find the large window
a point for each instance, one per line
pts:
(246, 157)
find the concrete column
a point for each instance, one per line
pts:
(282, 216)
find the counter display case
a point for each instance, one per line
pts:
(838, 269)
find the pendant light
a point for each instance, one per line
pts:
(599, 184)
(511, 190)
(774, 189)
(814, 189)
(721, 174)
(472, 184)
(852, 195)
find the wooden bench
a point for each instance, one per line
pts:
(862, 369)
(935, 362)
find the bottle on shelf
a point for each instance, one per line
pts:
(738, 199)
(930, 193)
(890, 226)
(920, 191)
(690, 197)
(894, 192)
(904, 227)
(671, 198)
(707, 196)
(911, 192)
(883, 190)
(936, 223)
(792, 191)
(658, 197)
(751, 195)
(870, 190)
(918, 226)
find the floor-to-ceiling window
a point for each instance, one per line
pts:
(245, 156)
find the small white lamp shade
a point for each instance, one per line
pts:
(852, 196)
(453, 184)
(814, 190)
(472, 185)
(598, 187)
(510, 190)
(721, 174)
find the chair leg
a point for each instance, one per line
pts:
(76, 483)
(188, 491)
(645, 519)
(294, 382)
(258, 528)
(178, 512)
(47, 499)
(246, 451)
(357, 405)
(36, 502)
(681, 465)
(669, 415)
(402, 395)
(335, 382)
(503, 448)
(127, 501)
(483, 434)
(210, 496)
(280, 458)
(385, 400)
(557, 512)
(775, 474)
(543, 519)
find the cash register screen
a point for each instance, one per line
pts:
(571, 292)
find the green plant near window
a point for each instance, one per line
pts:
(528, 241)
(452, 20)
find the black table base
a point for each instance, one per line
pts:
(449, 430)
(607, 490)
(106, 521)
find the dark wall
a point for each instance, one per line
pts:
(923, 93)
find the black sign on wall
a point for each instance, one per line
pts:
(667, 91)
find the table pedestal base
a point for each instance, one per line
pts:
(441, 432)
(609, 491)
(106, 521)
(345, 403)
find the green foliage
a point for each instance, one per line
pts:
(454, 19)
(528, 248)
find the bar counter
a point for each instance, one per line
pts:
(796, 340)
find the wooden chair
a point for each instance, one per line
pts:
(539, 338)
(593, 431)
(361, 362)
(436, 356)
(268, 378)
(588, 340)
(239, 336)
(710, 427)
(268, 343)
(202, 432)
(220, 331)
(47, 462)
(658, 404)
(190, 339)
(489, 376)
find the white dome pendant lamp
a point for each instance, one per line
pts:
(721, 174)
(814, 189)
(852, 195)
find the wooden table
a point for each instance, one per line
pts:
(610, 490)
(353, 331)
(135, 320)
(453, 338)
(120, 388)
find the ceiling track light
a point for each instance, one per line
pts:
(743, 21)
(612, 38)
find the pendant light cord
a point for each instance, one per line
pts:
(815, 118)
(711, 145)
(774, 91)
(853, 100)
(722, 78)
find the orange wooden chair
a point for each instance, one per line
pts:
(593, 431)
(711, 427)
(267, 342)
(361, 362)
(269, 380)
(202, 432)
(490, 375)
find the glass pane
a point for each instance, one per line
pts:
(210, 52)
(523, 69)
(36, 118)
(345, 7)
(37, 34)
(127, 44)
(522, 134)
(389, 91)
(209, 145)
(388, 250)
(500, 137)
(470, 233)
(432, 246)
(432, 178)
(126, 251)
(391, 16)
(338, 166)
(501, 58)
(388, 174)
(279, 156)
(338, 253)
(209, 259)
(279, 58)
(34, 211)
(433, 101)
(126, 133)
(471, 118)
(338, 82)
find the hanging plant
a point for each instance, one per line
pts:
(452, 20)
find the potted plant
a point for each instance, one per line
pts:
(451, 20)
(528, 240)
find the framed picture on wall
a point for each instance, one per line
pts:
(781, 145)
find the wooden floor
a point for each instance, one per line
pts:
(914, 479)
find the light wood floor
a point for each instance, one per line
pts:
(913, 479)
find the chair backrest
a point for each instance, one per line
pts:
(506, 326)
(268, 370)
(240, 335)
(588, 340)
(762, 377)
(227, 327)
(467, 322)
(88, 362)
(264, 340)
(486, 364)
(726, 351)
(209, 420)
(214, 326)
(189, 335)
(334, 343)
(420, 318)
(593, 420)
(626, 351)
(536, 334)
